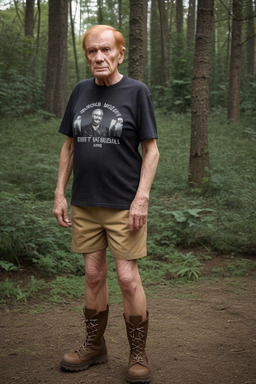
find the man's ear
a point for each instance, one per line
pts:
(121, 55)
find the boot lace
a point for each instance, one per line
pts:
(137, 346)
(91, 328)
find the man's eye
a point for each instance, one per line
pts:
(106, 49)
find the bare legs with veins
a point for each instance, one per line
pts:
(96, 289)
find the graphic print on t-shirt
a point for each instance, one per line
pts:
(98, 123)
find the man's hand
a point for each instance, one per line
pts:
(60, 211)
(60, 208)
(139, 207)
(138, 214)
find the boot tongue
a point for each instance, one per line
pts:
(89, 312)
(135, 320)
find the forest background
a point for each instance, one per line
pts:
(198, 60)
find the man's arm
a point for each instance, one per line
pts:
(60, 208)
(139, 207)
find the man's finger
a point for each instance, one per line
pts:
(68, 221)
(131, 223)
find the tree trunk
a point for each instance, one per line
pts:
(179, 16)
(120, 14)
(170, 22)
(38, 16)
(29, 36)
(137, 39)
(199, 165)
(100, 13)
(74, 41)
(191, 24)
(229, 33)
(164, 42)
(213, 100)
(29, 18)
(250, 44)
(145, 46)
(57, 60)
(235, 63)
(155, 46)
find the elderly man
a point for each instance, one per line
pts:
(110, 195)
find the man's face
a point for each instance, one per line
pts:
(97, 117)
(104, 56)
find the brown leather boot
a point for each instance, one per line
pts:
(94, 350)
(138, 369)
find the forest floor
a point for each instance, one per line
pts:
(200, 333)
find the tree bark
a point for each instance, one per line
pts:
(235, 63)
(145, 45)
(191, 24)
(38, 17)
(164, 42)
(250, 44)
(100, 13)
(179, 16)
(28, 49)
(199, 164)
(229, 33)
(74, 41)
(29, 18)
(155, 46)
(137, 39)
(57, 60)
(120, 14)
(29, 35)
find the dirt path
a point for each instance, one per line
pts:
(199, 334)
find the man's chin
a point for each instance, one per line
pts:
(101, 73)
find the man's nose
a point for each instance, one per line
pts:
(99, 56)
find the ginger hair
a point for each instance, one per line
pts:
(95, 29)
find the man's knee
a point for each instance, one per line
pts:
(95, 271)
(128, 278)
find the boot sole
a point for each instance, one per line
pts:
(138, 380)
(82, 367)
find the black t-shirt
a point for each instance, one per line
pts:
(108, 124)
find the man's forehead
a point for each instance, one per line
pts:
(101, 38)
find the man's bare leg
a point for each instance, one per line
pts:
(134, 299)
(96, 289)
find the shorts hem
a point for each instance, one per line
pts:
(116, 256)
(78, 250)
(130, 257)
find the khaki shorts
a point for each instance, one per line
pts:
(95, 228)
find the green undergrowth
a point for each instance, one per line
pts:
(219, 218)
(183, 269)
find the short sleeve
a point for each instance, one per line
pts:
(66, 124)
(146, 117)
